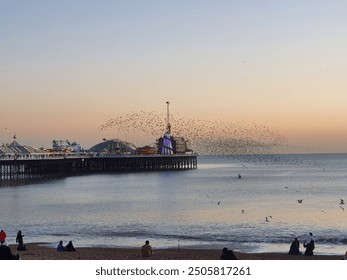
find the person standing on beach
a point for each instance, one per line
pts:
(147, 250)
(19, 240)
(309, 248)
(2, 236)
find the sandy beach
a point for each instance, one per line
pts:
(43, 252)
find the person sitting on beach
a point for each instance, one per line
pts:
(309, 248)
(6, 254)
(2, 237)
(294, 248)
(147, 250)
(19, 240)
(228, 255)
(60, 247)
(69, 247)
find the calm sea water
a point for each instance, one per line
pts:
(205, 208)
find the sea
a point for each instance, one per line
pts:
(246, 203)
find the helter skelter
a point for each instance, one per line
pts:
(167, 148)
(170, 145)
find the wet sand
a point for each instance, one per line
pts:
(43, 252)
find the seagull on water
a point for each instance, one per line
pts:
(300, 200)
(342, 202)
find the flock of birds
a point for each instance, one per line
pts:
(206, 137)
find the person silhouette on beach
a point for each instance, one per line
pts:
(6, 254)
(309, 248)
(2, 236)
(19, 240)
(60, 247)
(228, 254)
(294, 247)
(69, 247)
(147, 250)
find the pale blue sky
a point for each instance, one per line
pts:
(278, 63)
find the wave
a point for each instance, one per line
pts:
(215, 237)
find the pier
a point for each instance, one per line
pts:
(43, 166)
(67, 158)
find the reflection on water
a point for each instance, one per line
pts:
(205, 207)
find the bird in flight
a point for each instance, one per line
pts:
(300, 200)
(267, 220)
(342, 202)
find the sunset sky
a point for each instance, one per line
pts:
(68, 66)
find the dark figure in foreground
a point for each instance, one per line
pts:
(309, 248)
(6, 254)
(294, 248)
(69, 247)
(228, 255)
(19, 240)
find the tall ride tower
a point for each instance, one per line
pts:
(167, 148)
